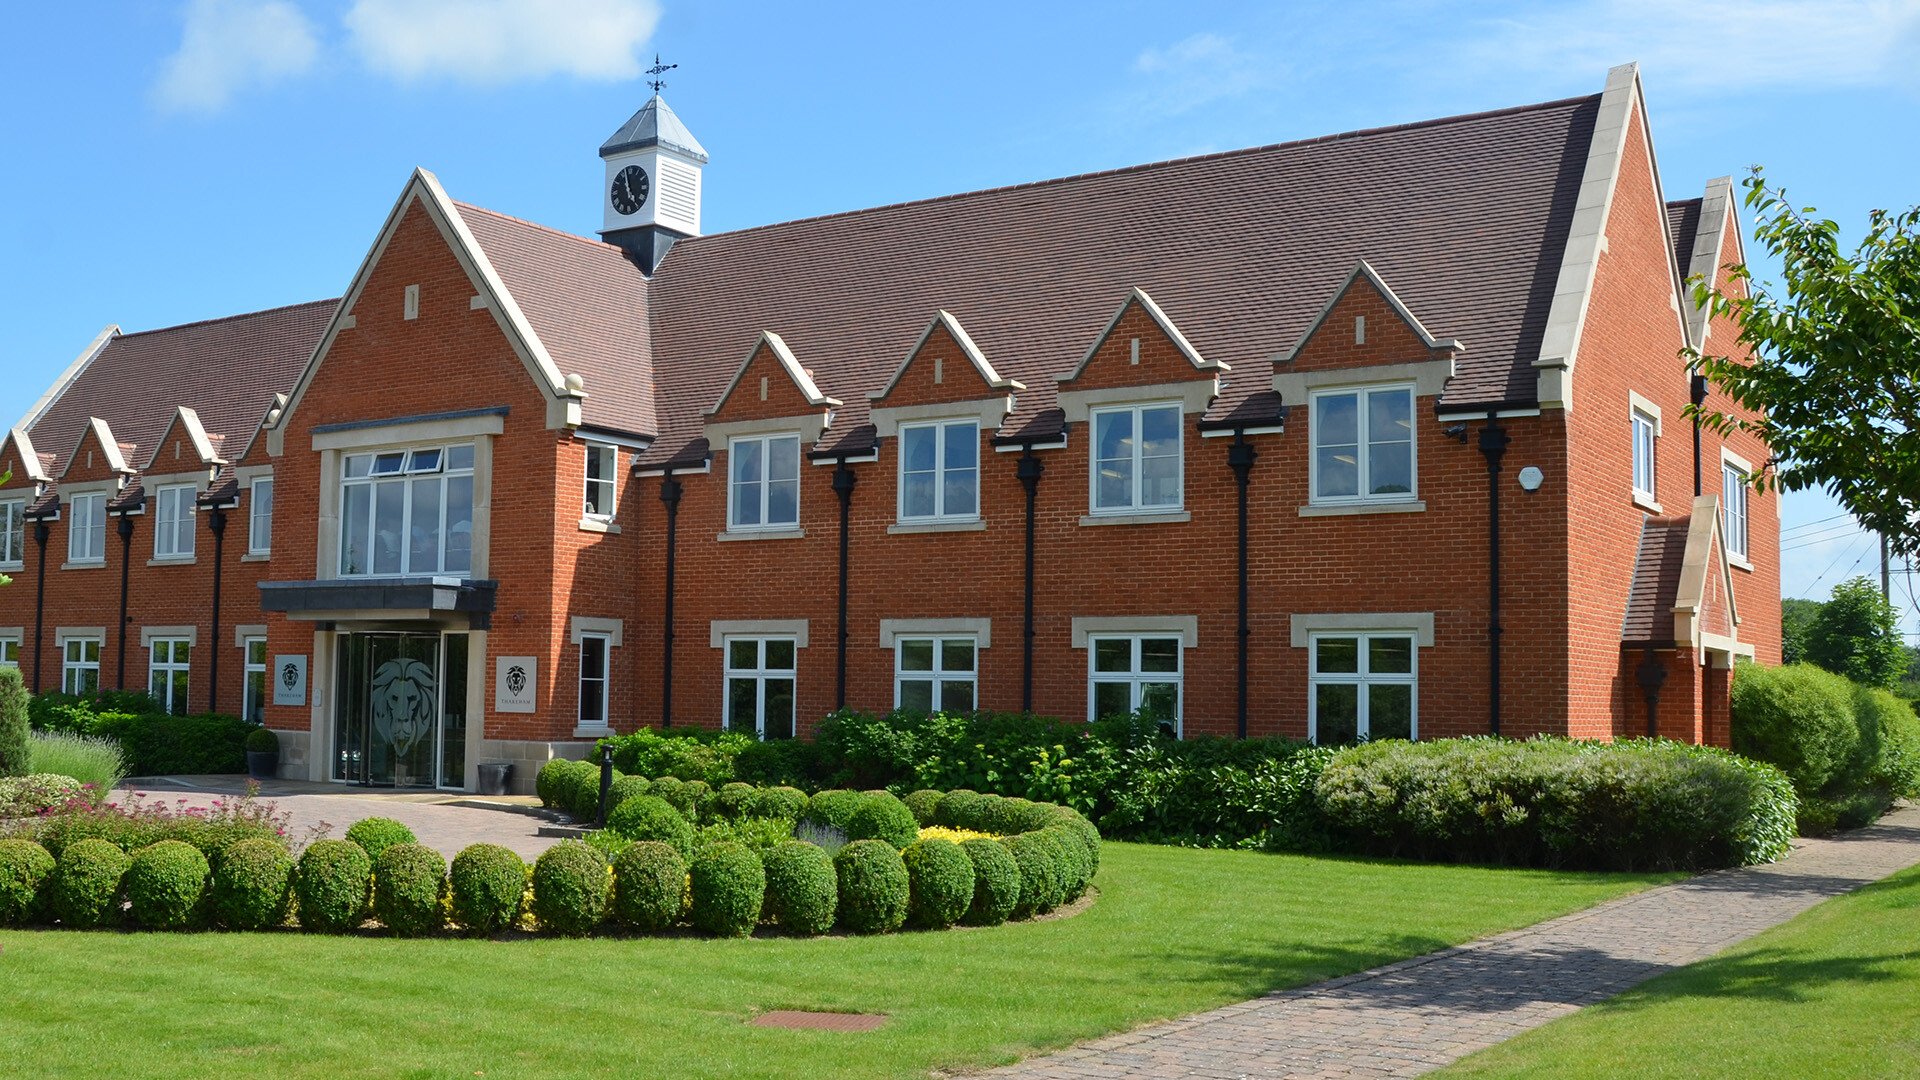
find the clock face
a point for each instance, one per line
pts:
(629, 189)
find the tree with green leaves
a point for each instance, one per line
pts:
(1857, 634)
(1796, 619)
(1833, 384)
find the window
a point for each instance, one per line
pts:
(260, 517)
(593, 680)
(173, 522)
(1645, 427)
(1136, 673)
(1136, 459)
(935, 674)
(253, 665)
(407, 512)
(940, 470)
(602, 463)
(80, 666)
(9, 652)
(13, 532)
(1363, 445)
(760, 686)
(1361, 687)
(87, 531)
(765, 489)
(167, 673)
(1733, 511)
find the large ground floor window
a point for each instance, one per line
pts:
(1362, 686)
(167, 669)
(80, 666)
(1135, 673)
(759, 677)
(253, 706)
(935, 674)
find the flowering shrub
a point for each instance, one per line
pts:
(139, 822)
(25, 796)
(928, 832)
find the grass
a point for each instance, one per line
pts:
(1173, 931)
(1833, 993)
(85, 758)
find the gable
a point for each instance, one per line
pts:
(96, 456)
(1140, 346)
(183, 444)
(1363, 324)
(769, 384)
(20, 464)
(943, 366)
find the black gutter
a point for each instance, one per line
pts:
(1240, 457)
(1699, 399)
(1029, 473)
(669, 495)
(125, 528)
(1493, 445)
(843, 480)
(217, 521)
(40, 531)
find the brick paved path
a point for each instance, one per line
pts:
(1417, 1015)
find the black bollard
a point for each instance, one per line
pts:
(606, 785)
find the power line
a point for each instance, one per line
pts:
(1836, 562)
(1811, 524)
(1797, 542)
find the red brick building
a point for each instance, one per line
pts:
(1380, 434)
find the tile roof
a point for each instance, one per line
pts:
(1656, 581)
(225, 369)
(1683, 221)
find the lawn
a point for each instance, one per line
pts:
(1173, 931)
(1834, 993)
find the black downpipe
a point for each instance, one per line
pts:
(125, 528)
(1493, 445)
(1699, 399)
(1650, 674)
(843, 478)
(217, 521)
(1240, 456)
(40, 531)
(1029, 473)
(670, 495)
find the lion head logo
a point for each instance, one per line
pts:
(290, 675)
(403, 704)
(516, 680)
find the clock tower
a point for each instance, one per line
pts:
(651, 194)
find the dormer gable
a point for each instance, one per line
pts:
(1364, 322)
(944, 374)
(184, 446)
(20, 464)
(96, 455)
(1140, 352)
(770, 385)
(1704, 612)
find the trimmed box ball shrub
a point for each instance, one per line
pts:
(1040, 885)
(485, 886)
(834, 807)
(252, 887)
(649, 886)
(996, 882)
(880, 816)
(873, 887)
(408, 880)
(729, 886)
(699, 800)
(674, 791)
(1076, 865)
(925, 804)
(649, 817)
(570, 888)
(546, 782)
(734, 800)
(167, 885)
(1797, 718)
(961, 809)
(24, 869)
(577, 789)
(84, 892)
(624, 788)
(330, 886)
(803, 891)
(377, 834)
(939, 882)
(787, 803)
(16, 750)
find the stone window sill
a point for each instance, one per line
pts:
(762, 534)
(1646, 503)
(172, 560)
(15, 566)
(1402, 506)
(256, 556)
(901, 528)
(584, 732)
(1739, 563)
(95, 564)
(1159, 517)
(599, 525)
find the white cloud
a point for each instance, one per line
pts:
(229, 45)
(1731, 45)
(497, 41)
(1196, 71)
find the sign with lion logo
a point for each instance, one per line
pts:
(289, 678)
(514, 683)
(405, 702)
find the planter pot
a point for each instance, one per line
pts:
(263, 766)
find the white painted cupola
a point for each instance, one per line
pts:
(651, 195)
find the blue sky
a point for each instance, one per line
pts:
(177, 161)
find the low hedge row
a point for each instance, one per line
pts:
(153, 742)
(574, 788)
(1849, 749)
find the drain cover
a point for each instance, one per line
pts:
(820, 1021)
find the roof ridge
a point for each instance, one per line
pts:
(1357, 133)
(226, 318)
(588, 240)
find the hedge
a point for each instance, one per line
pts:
(1041, 887)
(996, 882)
(729, 886)
(376, 834)
(1849, 749)
(649, 886)
(485, 888)
(925, 804)
(788, 803)
(84, 892)
(939, 882)
(166, 886)
(649, 817)
(16, 754)
(409, 884)
(880, 816)
(331, 883)
(873, 887)
(253, 887)
(25, 868)
(803, 890)
(570, 888)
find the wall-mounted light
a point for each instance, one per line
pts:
(1531, 478)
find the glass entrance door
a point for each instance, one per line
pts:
(400, 721)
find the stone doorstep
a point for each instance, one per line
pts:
(565, 832)
(802, 1020)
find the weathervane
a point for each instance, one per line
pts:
(658, 69)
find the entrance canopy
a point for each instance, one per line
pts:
(351, 599)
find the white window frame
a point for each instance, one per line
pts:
(1134, 505)
(604, 642)
(170, 667)
(1362, 678)
(938, 675)
(609, 454)
(940, 470)
(1363, 449)
(173, 516)
(259, 524)
(71, 668)
(85, 528)
(249, 702)
(405, 475)
(1645, 455)
(13, 533)
(765, 482)
(760, 673)
(1735, 527)
(1138, 678)
(10, 650)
